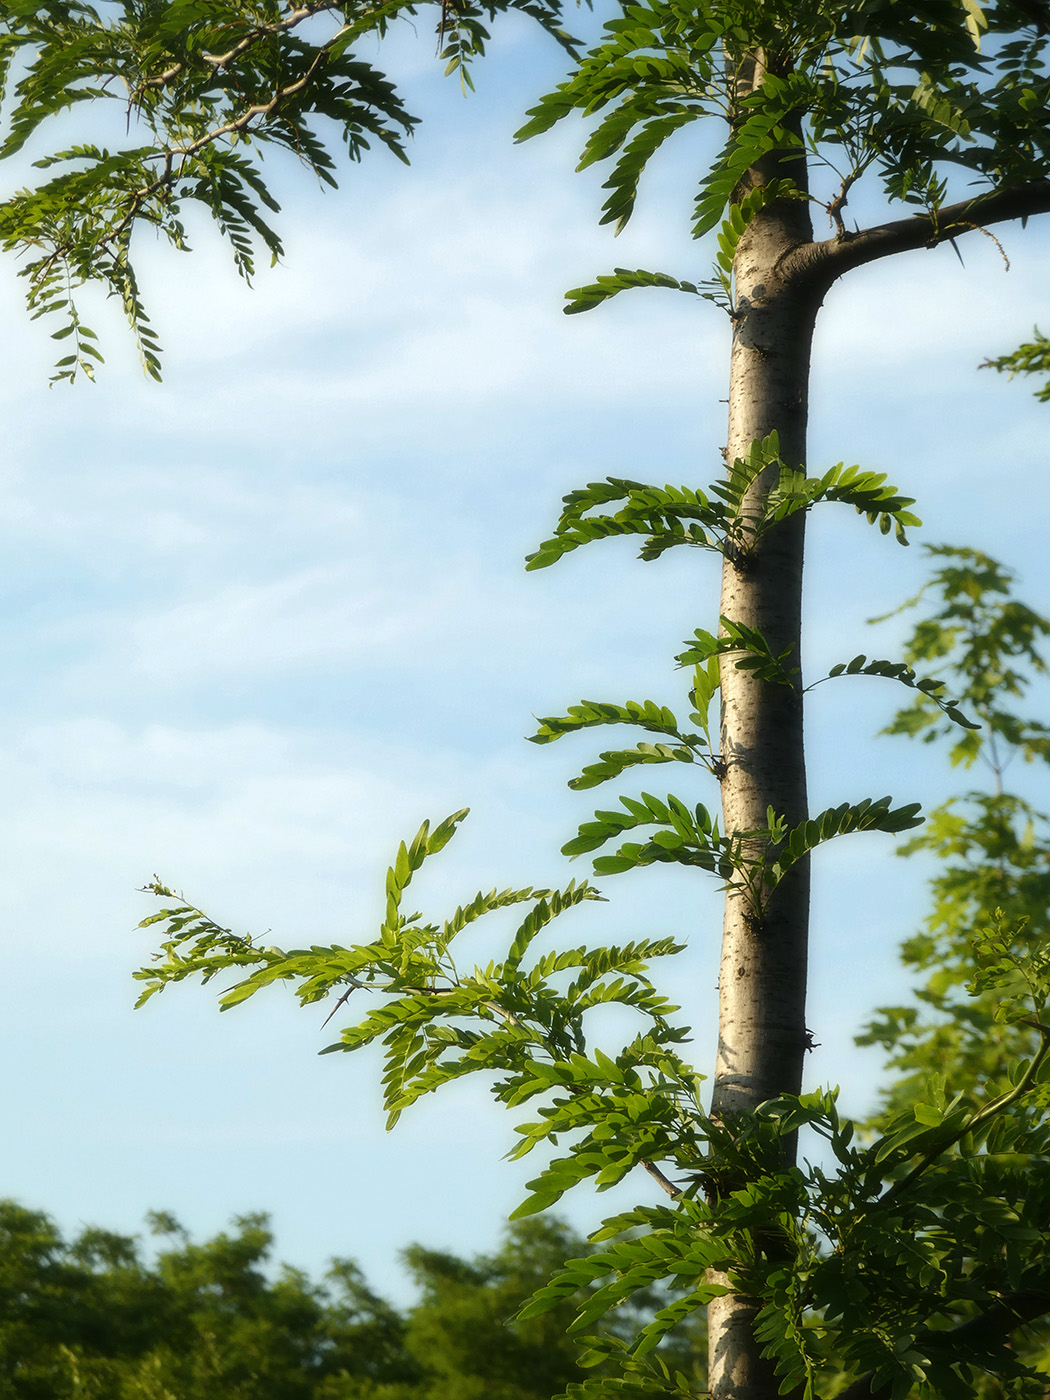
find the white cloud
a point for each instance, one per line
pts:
(320, 615)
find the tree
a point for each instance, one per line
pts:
(815, 100)
(993, 858)
(459, 1330)
(90, 1317)
(460, 1326)
(991, 847)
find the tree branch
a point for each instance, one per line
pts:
(262, 31)
(668, 1185)
(830, 259)
(996, 1322)
(173, 171)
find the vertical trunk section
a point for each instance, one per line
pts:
(762, 983)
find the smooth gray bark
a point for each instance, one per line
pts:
(762, 983)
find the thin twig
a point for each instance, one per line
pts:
(654, 1171)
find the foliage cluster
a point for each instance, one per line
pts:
(190, 95)
(991, 845)
(96, 1318)
(1031, 358)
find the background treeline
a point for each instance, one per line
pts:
(98, 1317)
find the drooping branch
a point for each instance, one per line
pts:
(995, 1323)
(835, 256)
(175, 157)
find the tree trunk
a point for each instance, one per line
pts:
(762, 985)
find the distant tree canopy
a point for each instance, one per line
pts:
(93, 1318)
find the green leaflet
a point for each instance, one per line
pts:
(611, 764)
(688, 748)
(763, 131)
(647, 714)
(930, 687)
(726, 518)
(867, 815)
(739, 217)
(976, 22)
(865, 491)
(623, 182)
(608, 285)
(669, 516)
(748, 643)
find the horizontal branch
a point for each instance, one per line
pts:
(258, 33)
(995, 1323)
(830, 259)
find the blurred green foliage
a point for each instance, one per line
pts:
(98, 1317)
(991, 844)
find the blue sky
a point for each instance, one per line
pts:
(262, 619)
